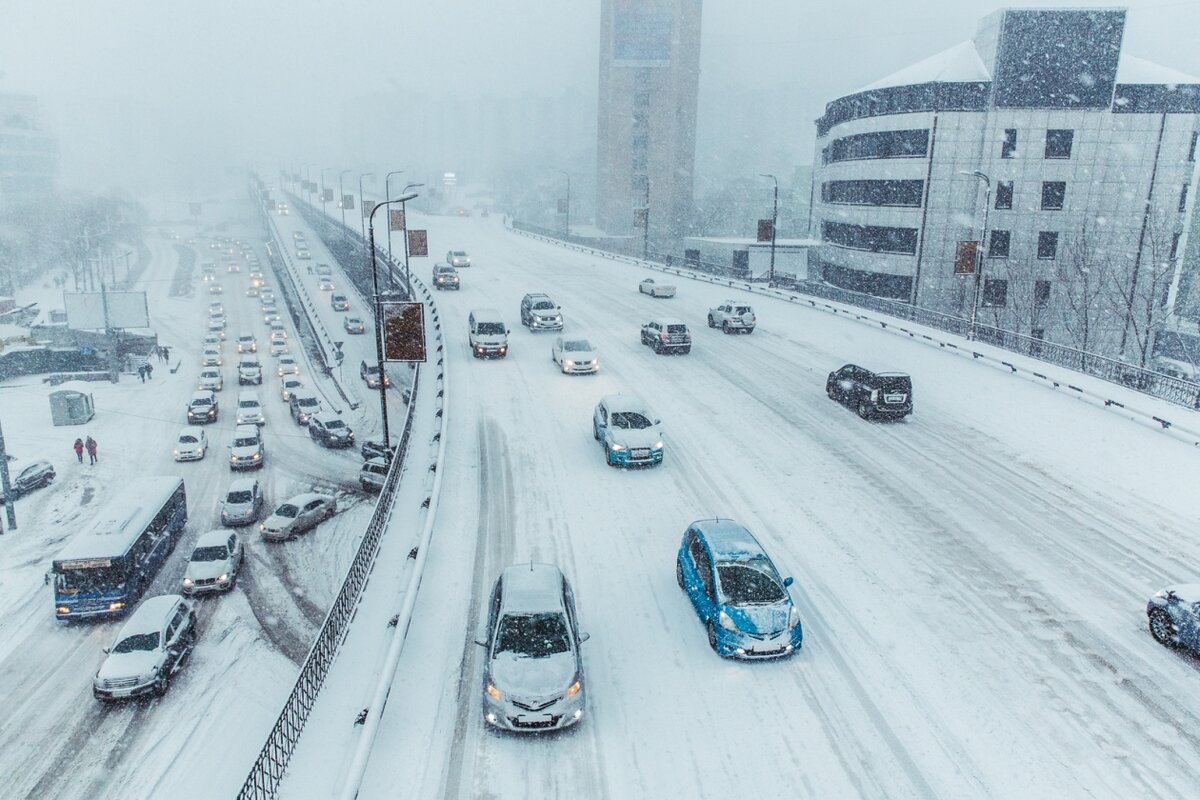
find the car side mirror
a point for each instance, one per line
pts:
(658, 422)
(788, 581)
(583, 637)
(108, 650)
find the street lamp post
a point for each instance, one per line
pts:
(646, 224)
(405, 199)
(341, 200)
(387, 196)
(567, 226)
(323, 171)
(387, 440)
(361, 205)
(774, 225)
(987, 202)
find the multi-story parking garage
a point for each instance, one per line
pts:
(1077, 158)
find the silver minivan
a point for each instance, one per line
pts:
(533, 674)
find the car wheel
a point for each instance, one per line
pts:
(830, 391)
(725, 327)
(1162, 628)
(595, 431)
(712, 637)
(712, 323)
(163, 683)
(685, 350)
(679, 573)
(864, 410)
(657, 349)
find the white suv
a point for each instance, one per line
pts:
(150, 648)
(732, 317)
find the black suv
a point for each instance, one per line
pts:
(871, 394)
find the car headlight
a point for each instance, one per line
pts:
(595, 362)
(116, 606)
(493, 692)
(727, 622)
(188, 581)
(658, 445)
(793, 617)
(574, 688)
(176, 451)
(223, 578)
(256, 456)
(568, 363)
(233, 459)
(615, 446)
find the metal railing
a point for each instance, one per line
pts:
(1166, 387)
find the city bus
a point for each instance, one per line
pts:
(103, 569)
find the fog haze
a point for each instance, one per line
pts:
(141, 94)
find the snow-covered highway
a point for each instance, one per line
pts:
(972, 581)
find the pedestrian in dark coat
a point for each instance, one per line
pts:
(91, 448)
(166, 353)
(79, 450)
(142, 372)
(149, 370)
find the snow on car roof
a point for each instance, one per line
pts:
(728, 539)
(530, 588)
(150, 615)
(624, 402)
(302, 500)
(1187, 592)
(242, 484)
(667, 321)
(213, 538)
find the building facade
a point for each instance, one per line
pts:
(646, 135)
(28, 154)
(1072, 162)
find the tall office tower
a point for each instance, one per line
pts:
(646, 149)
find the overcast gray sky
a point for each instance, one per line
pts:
(140, 82)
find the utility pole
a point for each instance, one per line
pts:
(6, 486)
(774, 225)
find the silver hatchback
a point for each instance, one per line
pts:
(533, 675)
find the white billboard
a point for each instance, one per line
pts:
(86, 310)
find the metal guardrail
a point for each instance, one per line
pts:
(271, 764)
(1166, 387)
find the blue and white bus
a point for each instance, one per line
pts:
(104, 569)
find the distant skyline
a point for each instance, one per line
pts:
(161, 95)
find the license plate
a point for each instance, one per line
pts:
(121, 692)
(893, 398)
(640, 453)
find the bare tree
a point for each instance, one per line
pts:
(1081, 280)
(1142, 298)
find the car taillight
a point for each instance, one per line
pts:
(874, 395)
(664, 336)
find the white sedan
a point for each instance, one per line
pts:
(192, 444)
(574, 356)
(653, 289)
(288, 366)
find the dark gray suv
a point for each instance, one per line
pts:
(871, 394)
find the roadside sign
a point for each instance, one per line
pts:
(766, 230)
(338, 345)
(418, 244)
(368, 208)
(347, 201)
(397, 219)
(327, 195)
(403, 331)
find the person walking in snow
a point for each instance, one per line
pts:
(149, 370)
(142, 372)
(166, 354)
(79, 450)
(91, 448)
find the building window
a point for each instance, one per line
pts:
(998, 244)
(1041, 295)
(1004, 195)
(1047, 245)
(875, 238)
(1192, 149)
(1058, 143)
(995, 293)
(885, 144)
(1009, 147)
(1183, 199)
(874, 193)
(1054, 195)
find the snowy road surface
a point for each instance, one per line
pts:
(972, 581)
(55, 740)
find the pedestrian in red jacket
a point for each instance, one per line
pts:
(79, 450)
(91, 448)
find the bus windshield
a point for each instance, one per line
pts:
(96, 579)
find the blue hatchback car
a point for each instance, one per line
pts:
(737, 592)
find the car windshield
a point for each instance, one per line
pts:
(217, 553)
(202, 401)
(543, 305)
(308, 402)
(459, 253)
(240, 496)
(247, 441)
(490, 329)
(139, 641)
(287, 510)
(751, 582)
(677, 329)
(335, 423)
(188, 439)
(630, 419)
(577, 345)
(533, 635)
(248, 404)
